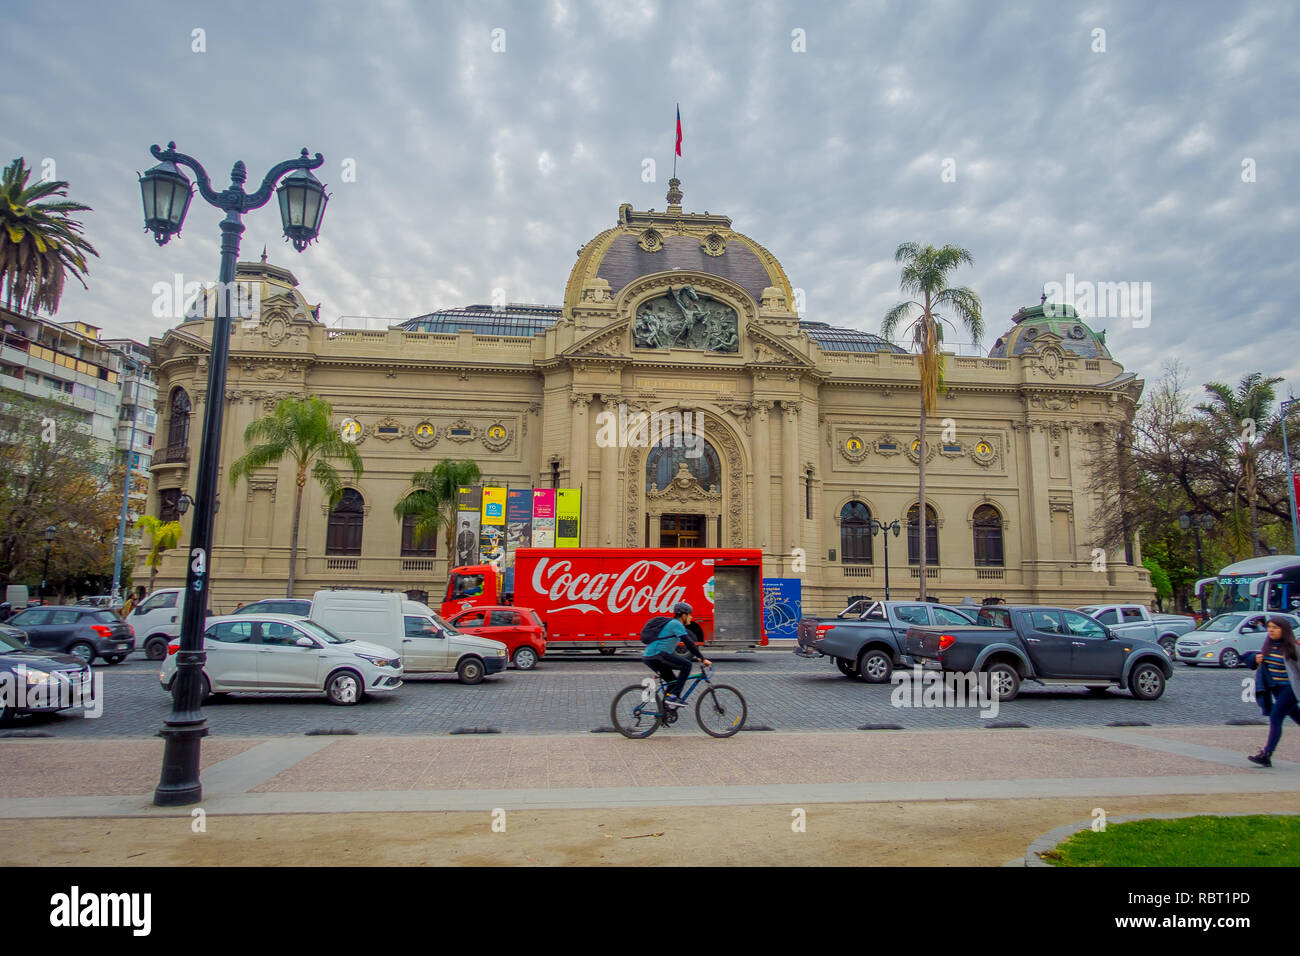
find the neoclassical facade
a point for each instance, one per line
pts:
(807, 431)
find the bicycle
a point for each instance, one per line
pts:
(639, 709)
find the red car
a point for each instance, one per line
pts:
(518, 628)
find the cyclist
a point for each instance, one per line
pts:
(661, 657)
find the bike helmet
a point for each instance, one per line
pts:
(681, 607)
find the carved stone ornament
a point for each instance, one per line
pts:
(469, 432)
(854, 449)
(261, 484)
(424, 435)
(388, 429)
(497, 437)
(984, 452)
(683, 487)
(714, 244)
(596, 290)
(269, 373)
(275, 328)
(886, 445)
(914, 450)
(651, 240)
(1051, 360)
(686, 319)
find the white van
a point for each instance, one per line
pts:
(157, 621)
(427, 643)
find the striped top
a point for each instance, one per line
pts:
(1275, 664)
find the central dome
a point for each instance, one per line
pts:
(644, 243)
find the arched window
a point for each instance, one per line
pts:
(347, 519)
(666, 458)
(855, 533)
(413, 547)
(914, 536)
(988, 537)
(178, 432)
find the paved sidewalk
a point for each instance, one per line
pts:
(1012, 779)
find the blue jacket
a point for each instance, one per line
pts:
(674, 633)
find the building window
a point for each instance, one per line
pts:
(178, 431)
(426, 547)
(807, 496)
(555, 474)
(167, 510)
(347, 518)
(855, 533)
(665, 460)
(914, 536)
(988, 537)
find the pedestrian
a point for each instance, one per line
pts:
(1276, 684)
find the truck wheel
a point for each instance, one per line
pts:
(470, 671)
(847, 668)
(525, 658)
(155, 649)
(1229, 658)
(1147, 682)
(1004, 682)
(875, 666)
(1168, 642)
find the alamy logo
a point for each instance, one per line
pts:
(1101, 300)
(74, 908)
(649, 429)
(28, 689)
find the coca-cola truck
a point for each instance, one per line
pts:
(599, 598)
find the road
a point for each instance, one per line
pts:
(566, 695)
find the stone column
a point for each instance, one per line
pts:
(1037, 452)
(578, 442)
(609, 483)
(761, 496)
(790, 474)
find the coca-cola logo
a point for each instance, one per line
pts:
(635, 588)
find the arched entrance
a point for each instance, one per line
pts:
(683, 489)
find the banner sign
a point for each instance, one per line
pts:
(468, 519)
(568, 514)
(519, 522)
(543, 517)
(782, 607)
(494, 506)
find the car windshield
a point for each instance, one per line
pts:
(1224, 622)
(437, 619)
(323, 633)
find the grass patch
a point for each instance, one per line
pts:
(1190, 841)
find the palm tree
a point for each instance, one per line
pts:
(303, 432)
(39, 243)
(165, 535)
(435, 499)
(1243, 418)
(925, 277)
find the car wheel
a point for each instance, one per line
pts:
(155, 649)
(470, 671)
(115, 659)
(1004, 682)
(1229, 658)
(344, 688)
(1168, 642)
(1147, 682)
(875, 666)
(83, 651)
(205, 689)
(847, 668)
(525, 658)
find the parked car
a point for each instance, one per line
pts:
(21, 662)
(83, 632)
(276, 653)
(1139, 623)
(867, 641)
(520, 629)
(1048, 645)
(1228, 640)
(427, 644)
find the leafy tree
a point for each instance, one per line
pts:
(165, 535)
(304, 433)
(436, 497)
(40, 242)
(925, 277)
(1159, 579)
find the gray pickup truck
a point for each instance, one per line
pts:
(1137, 622)
(866, 639)
(1048, 645)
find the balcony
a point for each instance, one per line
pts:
(173, 455)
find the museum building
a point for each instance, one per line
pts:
(808, 431)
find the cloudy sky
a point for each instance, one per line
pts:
(1111, 142)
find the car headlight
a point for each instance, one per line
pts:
(378, 661)
(38, 677)
(499, 653)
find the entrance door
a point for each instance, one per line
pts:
(681, 531)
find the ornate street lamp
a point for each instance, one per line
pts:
(1189, 520)
(879, 527)
(50, 532)
(165, 191)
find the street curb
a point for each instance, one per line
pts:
(1053, 838)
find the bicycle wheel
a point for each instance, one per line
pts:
(631, 716)
(721, 711)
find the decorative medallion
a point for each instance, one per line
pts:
(686, 319)
(651, 240)
(351, 431)
(914, 450)
(425, 435)
(388, 429)
(1052, 360)
(886, 445)
(713, 244)
(854, 449)
(276, 329)
(461, 431)
(984, 453)
(497, 437)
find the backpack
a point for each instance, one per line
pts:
(650, 633)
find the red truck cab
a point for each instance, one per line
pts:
(473, 585)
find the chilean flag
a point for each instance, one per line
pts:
(679, 130)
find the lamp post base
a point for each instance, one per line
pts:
(180, 785)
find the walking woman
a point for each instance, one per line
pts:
(1280, 676)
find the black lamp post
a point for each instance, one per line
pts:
(1191, 520)
(879, 527)
(50, 532)
(166, 192)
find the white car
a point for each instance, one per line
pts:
(279, 653)
(1228, 640)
